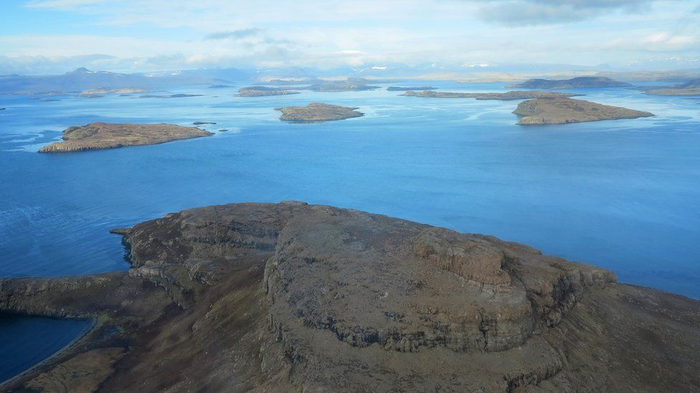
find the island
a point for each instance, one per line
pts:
(93, 93)
(264, 91)
(405, 88)
(178, 95)
(293, 297)
(333, 86)
(97, 136)
(317, 112)
(690, 88)
(567, 110)
(511, 95)
(582, 82)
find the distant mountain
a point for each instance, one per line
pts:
(583, 82)
(83, 79)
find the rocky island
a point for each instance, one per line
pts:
(263, 91)
(291, 297)
(96, 136)
(582, 82)
(567, 110)
(316, 112)
(510, 95)
(690, 88)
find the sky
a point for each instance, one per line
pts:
(56, 36)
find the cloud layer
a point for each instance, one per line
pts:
(131, 35)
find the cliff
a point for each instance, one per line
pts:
(291, 297)
(566, 110)
(97, 136)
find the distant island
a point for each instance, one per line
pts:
(583, 82)
(264, 91)
(179, 95)
(511, 95)
(690, 88)
(292, 297)
(567, 110)
(97, 136)
(407, 88)
(316, 112)
(82, 80)
(100, 92)
(351, 84)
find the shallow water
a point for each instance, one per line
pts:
(619, 194)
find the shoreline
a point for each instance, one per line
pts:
(73, 343)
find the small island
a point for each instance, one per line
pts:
(264, 91)
(405, 88)
(582, 82)
(98, 136)
(567, 110)
(316, 112)
(690, 88)
(511, 95)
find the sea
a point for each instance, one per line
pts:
(622, 194)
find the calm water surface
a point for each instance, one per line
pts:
(623, 194)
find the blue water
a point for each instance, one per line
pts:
(49, 335)
(623, 194)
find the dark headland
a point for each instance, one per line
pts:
(567, 110)
(317, 112)
(583, 82)
(96, 136)
(290, 297)
(510, 95)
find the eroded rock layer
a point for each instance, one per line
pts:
(292, 297)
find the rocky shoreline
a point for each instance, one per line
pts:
(293, 297)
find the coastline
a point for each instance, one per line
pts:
(92, 325)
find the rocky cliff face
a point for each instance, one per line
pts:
(291, 297)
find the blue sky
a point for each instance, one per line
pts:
(53, 36)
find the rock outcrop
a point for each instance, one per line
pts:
(98, 136)
(291, 297)
(566, 110)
